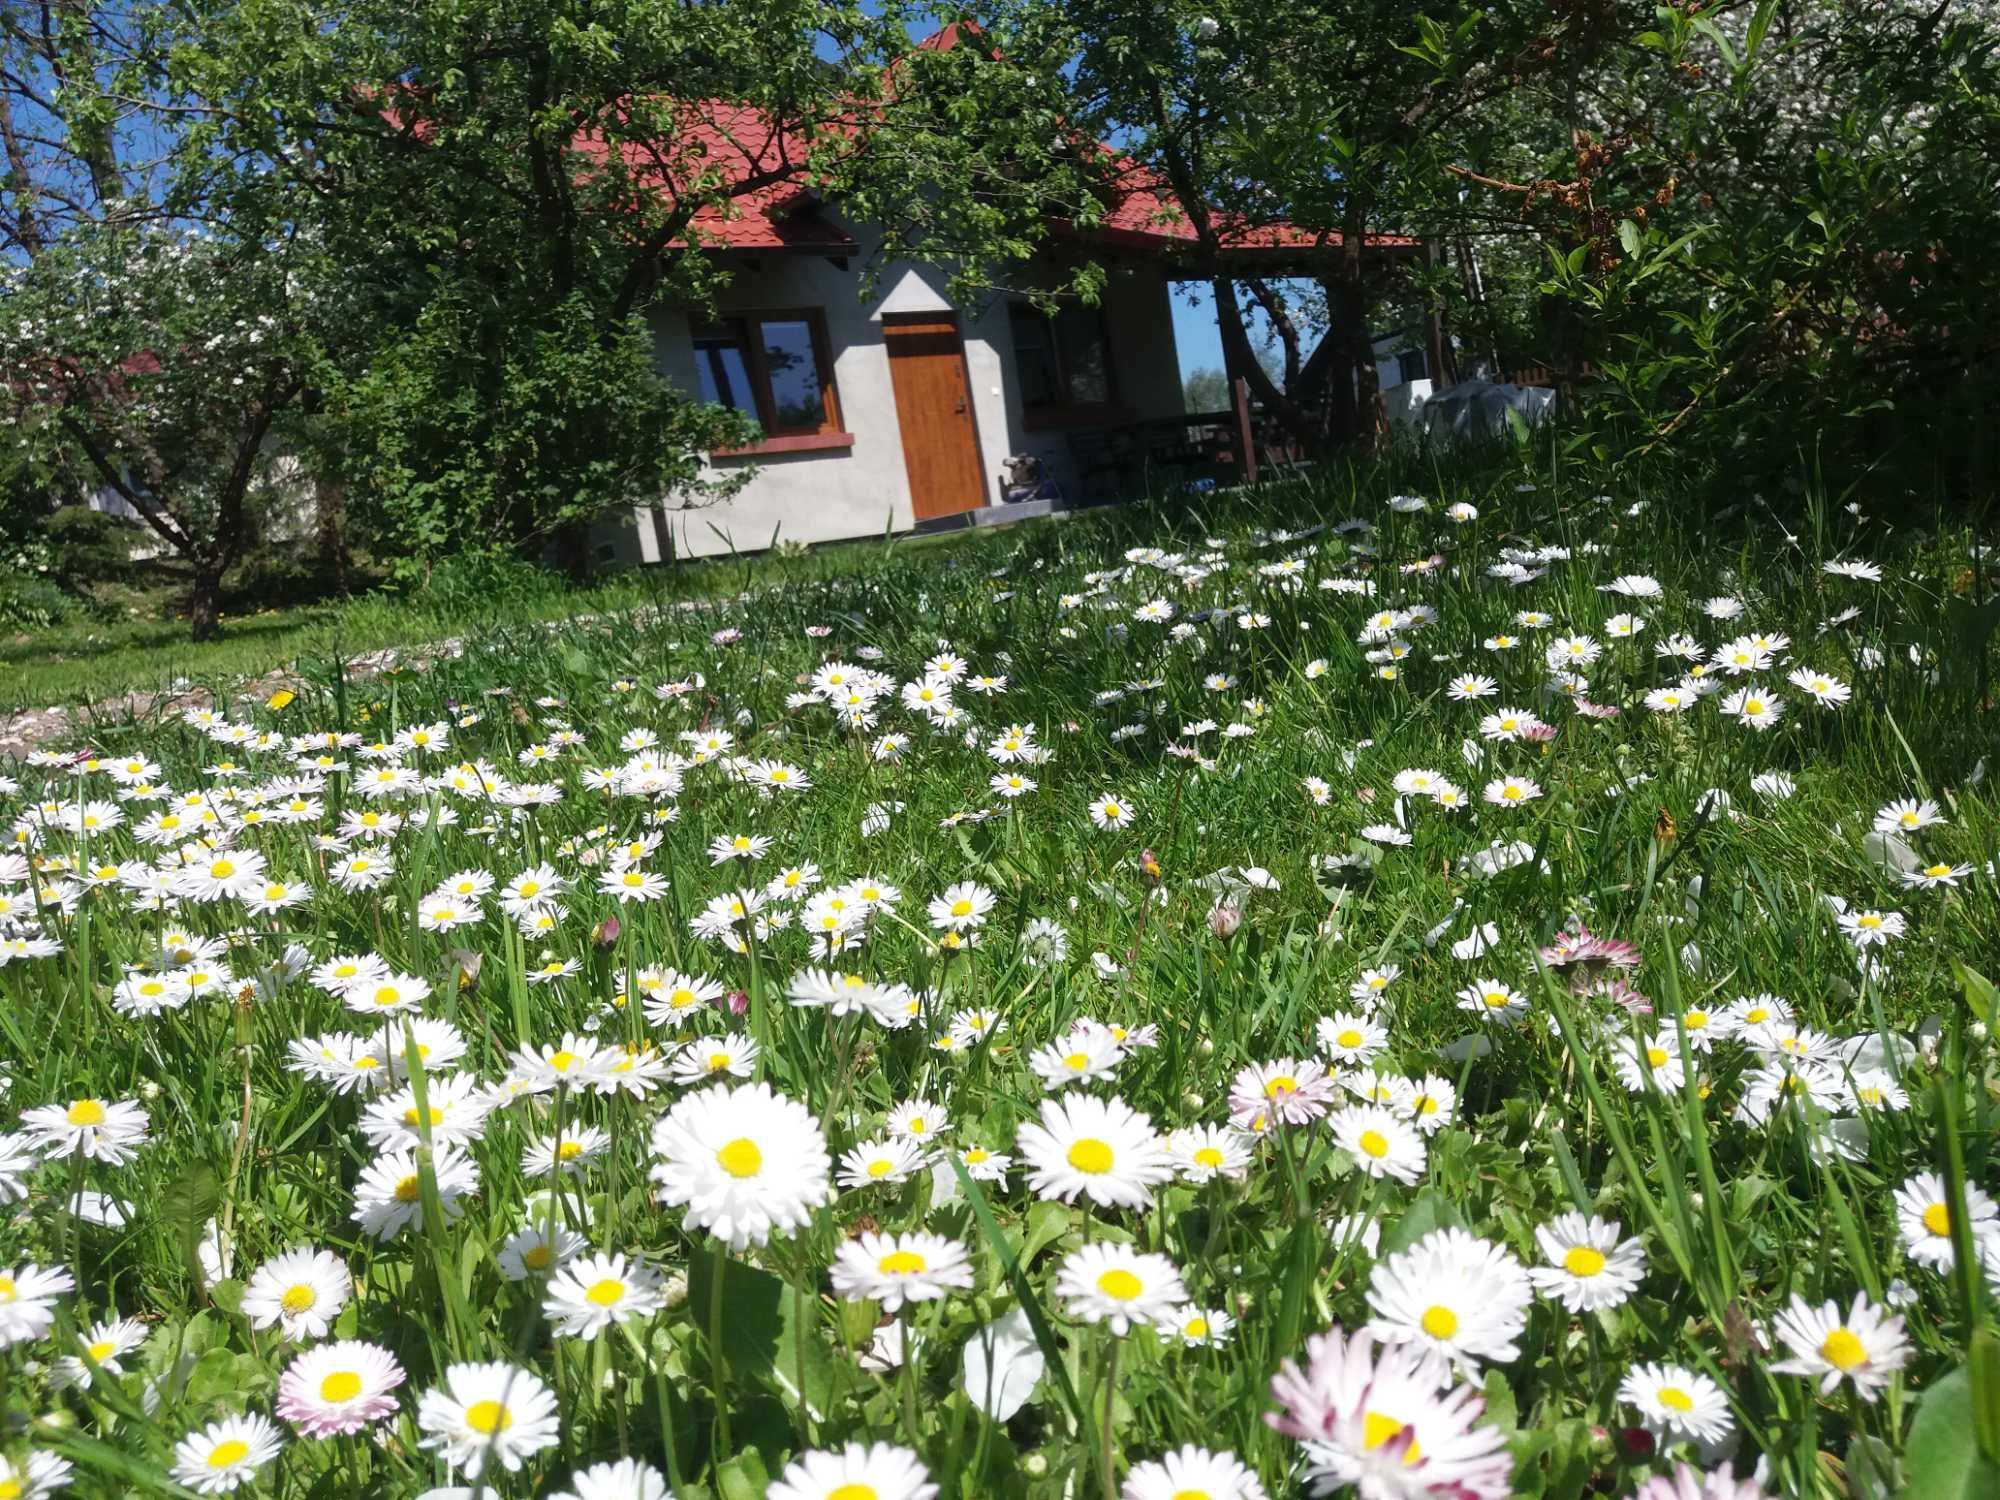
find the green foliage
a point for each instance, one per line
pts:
(1205, 390)
(474, 580)
(477, 431)
(88, 546)
(1767, 231)
(29, 601)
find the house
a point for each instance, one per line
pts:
(899, 410)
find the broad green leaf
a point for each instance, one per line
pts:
(744, 1477)
(1942, 1456)
(1982, 996)
(1429, 1211)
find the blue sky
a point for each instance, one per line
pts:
(1196, 338)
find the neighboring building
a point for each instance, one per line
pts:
(1403, 375)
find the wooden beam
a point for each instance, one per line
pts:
(1246, 437)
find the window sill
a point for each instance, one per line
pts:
(803, 442)
(1046, 418)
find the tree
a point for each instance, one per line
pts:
(155, 365)
(1205, 389)
(153, 344)
(1769, 228)
(1261, 112)
(514, 184)
(419, 242)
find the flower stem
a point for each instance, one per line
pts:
(718, 1372)
(1104, 1428)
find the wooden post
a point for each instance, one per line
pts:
(1437, 349)
(1246, 438)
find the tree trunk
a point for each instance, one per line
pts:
(330, 516)
(205, 603)
(1300, 423)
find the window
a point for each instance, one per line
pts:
(774, 366)
(1061, 361)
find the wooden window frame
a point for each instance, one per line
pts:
(829, 434)
(1068, 412)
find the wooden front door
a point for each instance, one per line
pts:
(934, 408)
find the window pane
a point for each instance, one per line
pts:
(721, 371)
(1034, 358)
(1081, 330)
(796, 399)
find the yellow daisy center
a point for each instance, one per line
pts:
(1656, 1056)
(1091, 1155)
(1374, 1143)
(740, 1158)
(1378, 1428)
(1284, 1083)
(1937, 1219)
(408, 1190)
(961, 908)
(298, 1299)
(1675, 1399)
(101, 1350)
(1195, 1327)
(222, 1455)
(606, 1293)
(341, 1385)
(85, 1113)
(1843, 1350)
(488, 1417)
(1208, 1157)
(1120, 1285)
(855, 1492)
(1440, 1322)
(538, 1257)
(569, 1150)
(1582, 1260)
(900, 1263)
(1349, 1038)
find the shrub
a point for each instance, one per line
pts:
(470, 580)
(88, 547)
(29, 601)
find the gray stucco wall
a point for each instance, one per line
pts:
(862, 491)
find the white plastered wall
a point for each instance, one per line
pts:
(830, 495)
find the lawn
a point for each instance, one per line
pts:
(136, 640)
(1471, 992)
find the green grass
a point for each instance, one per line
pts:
(1234, 914)
(139, 642)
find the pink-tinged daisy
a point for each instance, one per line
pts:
(1378, 1421)
(339, 1388)
(1289, 1089)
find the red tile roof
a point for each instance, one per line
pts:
(741, 144)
